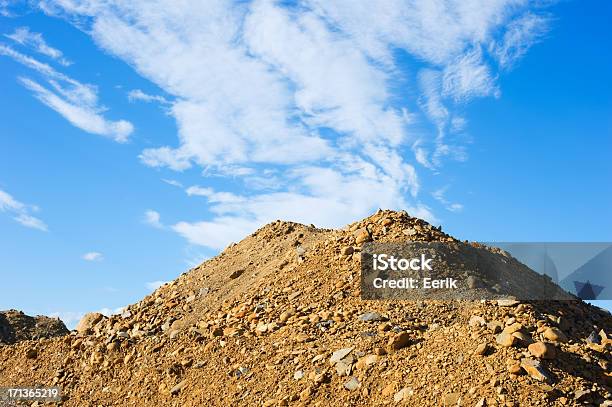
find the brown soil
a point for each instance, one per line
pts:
(277, 320)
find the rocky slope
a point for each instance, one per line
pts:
(277, 320)
(16, 326)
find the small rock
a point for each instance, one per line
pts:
(514, 367)
(451, 399)
(555, 335)
(366, 361)
(343, 367)
(581, 395)
(409, 232)
(180, 386)
(362, 236)
(338, 355)
(352, 384)
(306, 393)
(31, 353)
(542, 350)
(535, 370)
(476, 321)
(505, 339)
(403, 394)
(389, 389)
(236, 274)
(347, 250)
(399, 341)
(298, 375)
(372, 317)
(481, 349)
(512, 328)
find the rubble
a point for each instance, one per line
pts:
(266, 324)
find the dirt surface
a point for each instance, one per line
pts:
(16, 326)
(277, 320)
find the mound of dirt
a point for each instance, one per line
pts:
(278, 320)
(16, 326)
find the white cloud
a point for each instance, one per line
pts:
(25, 37)
(212, 196)
(468, 77)
(93, 256)
(173, 182)
(154, 285)
(440, 196)
(303, 97)
(152, 218)
(521, 34)
(81, 116)
(21, 212)
(75, 101)
(138, 95)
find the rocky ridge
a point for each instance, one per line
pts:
(277, 320)
(16, 326)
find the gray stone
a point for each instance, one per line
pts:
(352, 384)
(340, 354)
(372, 317)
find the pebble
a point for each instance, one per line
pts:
(399, 341)
(481, 349)
(542, 350)
(372, 317)
(180, 386)
(362, 236)
(340, 354)
(514, 367)
(555, 335)
(505, 339)
(476, 321)
(451, 399)
(236, 274)
(366, 361)
(31, 353)
(347, 250)
(352, 384)
(535, 370)
(403, 394)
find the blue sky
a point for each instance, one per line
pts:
(134, 144)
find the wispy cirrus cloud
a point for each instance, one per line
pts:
(138, 95)
(440, 196)
(316, 119)
(75, 101)
(25, 37)
(21, 213)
